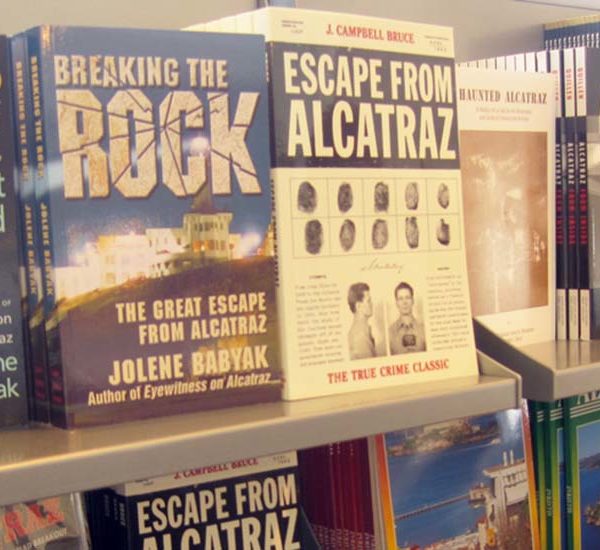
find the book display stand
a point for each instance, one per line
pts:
(41, 462)
(549, 370)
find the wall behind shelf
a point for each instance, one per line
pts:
(483, 27)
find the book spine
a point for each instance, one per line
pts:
(58, 413)
(581, 186)
(560, 199)
(539, 458)
(569, 164)
(40, 411)
(22, 172)
(13, 384)
(570, 449)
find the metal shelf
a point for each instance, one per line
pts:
(549, 370)
(41, 462)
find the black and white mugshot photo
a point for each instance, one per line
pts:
(366, 337)
(406, 331)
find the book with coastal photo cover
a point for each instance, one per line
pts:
(506, 129)
(465, 483)
(370, 249)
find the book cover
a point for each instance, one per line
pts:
(506, 124)
(251, 503)
(14, 408)
(44, 524)
(583, 452)
(371, 260)
(457, 484)
(155, 205)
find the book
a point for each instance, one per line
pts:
(556, 503)
(588, 189)
(37, 358)
(250, 503)
(538, 430)
(371, 259)
(555, 66)
(570, 167)
(582, 416)
(336, 494)
(56, 522)
(14, 407)
(155, 205)
(458, 484)
(574, 32)
(506, 124)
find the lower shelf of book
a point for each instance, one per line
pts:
(40, 462)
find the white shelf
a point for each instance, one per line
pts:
(41, 462)
(549, 370)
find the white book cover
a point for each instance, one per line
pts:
(506, 133)
(372, 269)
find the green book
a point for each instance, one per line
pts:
(555, 478)
(536, 415)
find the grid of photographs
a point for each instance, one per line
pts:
(340, 217)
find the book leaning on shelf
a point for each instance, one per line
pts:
(371, 258)
(506, 129)
(154, 205)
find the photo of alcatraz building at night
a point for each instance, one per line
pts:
(114, 259)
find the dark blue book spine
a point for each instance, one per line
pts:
(56, 390)
(581, 186)
(555, 67)
(30, 232)
(18, 60)
(13, 378)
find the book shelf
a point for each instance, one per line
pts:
(549, 370)
(41, 462)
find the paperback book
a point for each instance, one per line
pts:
(155, 211)
(506, 124)
(365, 165)
(458, 484)
(14, 409)
(44, 524)
(250, 503)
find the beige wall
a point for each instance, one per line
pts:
(482, 27)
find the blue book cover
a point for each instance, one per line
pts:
(155, 213)
(464, 483)
(13, 385)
